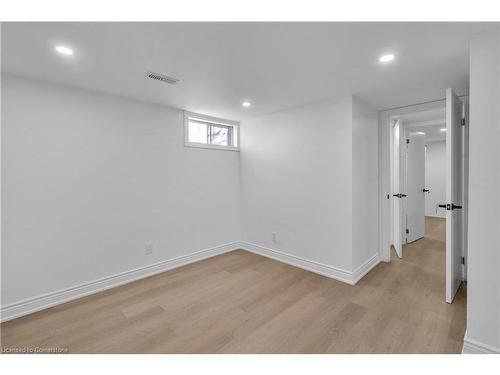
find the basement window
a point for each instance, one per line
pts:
(210, 132)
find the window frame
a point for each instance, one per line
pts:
(234, 130)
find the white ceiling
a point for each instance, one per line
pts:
(429, 122)
(423, 116)
(432, 133)
(273, 65)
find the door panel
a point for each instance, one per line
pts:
(415, 183)
(396, 189)
(454, 194)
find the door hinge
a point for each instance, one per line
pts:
(463, 122)
(407, 231)
(463, 260)
(407, 140)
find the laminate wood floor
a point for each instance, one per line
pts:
(244, 303)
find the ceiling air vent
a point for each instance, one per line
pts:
(162, 78)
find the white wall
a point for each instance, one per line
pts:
(435, 178)
(483, 286)
(298, 168)
(296, 181)
(88, 179)
(364, 182)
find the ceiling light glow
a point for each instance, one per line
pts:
(246, 104)
(420, 133)
(386, 58)
(64, 50)
(442, 130)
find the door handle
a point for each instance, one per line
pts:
(426, 190)
(449, 207)
(402, 195)
(399, 195)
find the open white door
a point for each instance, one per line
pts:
(454, 194)
(396, 190)
(415, 185)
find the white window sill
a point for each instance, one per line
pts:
(213, 147)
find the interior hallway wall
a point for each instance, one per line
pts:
(89, 179)
(364, 182)
(296, 180)
(435, 178)
(309, 174)
(483, 273)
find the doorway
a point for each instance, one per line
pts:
(423, 212)
(411, 134)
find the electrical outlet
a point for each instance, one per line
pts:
(148, 249)
(274, 236)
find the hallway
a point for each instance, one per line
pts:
(428, 256)
(430, 251)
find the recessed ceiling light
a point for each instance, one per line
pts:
(442, 130)
(386, 58)
(420, 133)
(64, 50)
(246, 104)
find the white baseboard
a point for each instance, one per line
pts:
(31, 305)
(365, 268)
(475, 347)
(435, 216)
(339, 274)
